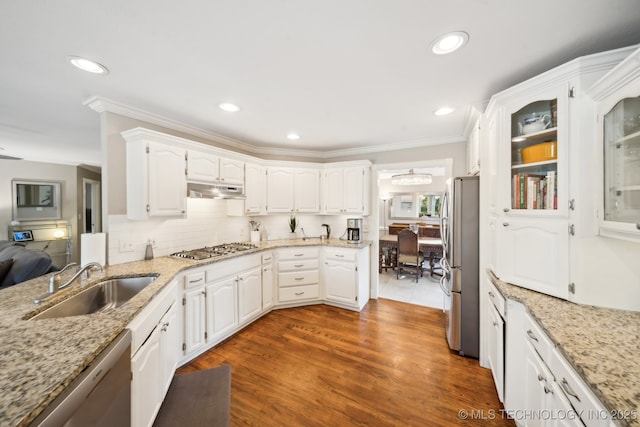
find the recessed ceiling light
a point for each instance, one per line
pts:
(449, 42)
(228, 107)
(88, 65)
(293, 136)
(443, 111)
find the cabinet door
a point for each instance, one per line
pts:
(146, 384)
(558, 404)
(255, 188)
(194, 319)
(202, 166)
(307, 192)
(231, 171)
(353, 198)
(167, 180)
(537, 380)
(267, 286)
(340, 281)
(535, 254)
(334, 191)
(170, 327)
(221, 308)
(496, 347)
(250, 294)
(280, 190)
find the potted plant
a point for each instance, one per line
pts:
(293, 224)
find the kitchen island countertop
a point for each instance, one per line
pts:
(40, 358)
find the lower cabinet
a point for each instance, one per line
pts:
(495, 338)
(221, 302)
(267, 281)
(153, 362)
(298, 275)
(541, 388)
(250, 294)
(346, 277)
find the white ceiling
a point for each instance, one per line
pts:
(343, 74)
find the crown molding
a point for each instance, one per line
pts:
(101, 105)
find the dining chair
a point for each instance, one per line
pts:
(409, 255)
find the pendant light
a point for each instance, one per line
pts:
(411, 178)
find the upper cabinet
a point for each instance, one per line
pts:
(291, 190)
(255, 189)
(156, 180)
(207, 167)
(346, 190)
(618, 97)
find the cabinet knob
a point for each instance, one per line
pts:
(638, 226)
(547, 390)
(491, 294)
(495, 323)
(505, 224)
(505, 210)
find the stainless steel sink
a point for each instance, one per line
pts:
(106, 294)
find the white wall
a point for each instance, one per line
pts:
(22, 169)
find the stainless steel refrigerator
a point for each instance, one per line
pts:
(459, 227)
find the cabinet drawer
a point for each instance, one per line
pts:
(298, 253)
(267, 257)
(296, 293)
(537, 338)
(340, 254)
(295, 278)
(194, 280)
(303, 264)
(496, 298)
(578, 393)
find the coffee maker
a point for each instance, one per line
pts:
(354, 230)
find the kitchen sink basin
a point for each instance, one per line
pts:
(106, 294)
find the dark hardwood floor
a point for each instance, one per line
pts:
(323, 366)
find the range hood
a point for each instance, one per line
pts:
(214, 191)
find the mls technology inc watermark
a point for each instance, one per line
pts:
(546, 414)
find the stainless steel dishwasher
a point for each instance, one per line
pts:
(100, 396)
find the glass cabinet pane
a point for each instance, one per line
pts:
(622, 162)
(534, 156)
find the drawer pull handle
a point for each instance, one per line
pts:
(196, 280)
(541, 378)
(339, 256)
(495, 323)
(298, 278)
(491, 294)
(300, 293)
(567, 388)
(298, 255)
(547, 390)
(299, 265)
(531, 335)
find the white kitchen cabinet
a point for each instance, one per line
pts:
(291, 190)
(267, 281)
(194, 319)
(494, 325)
(208, 167)
(221, 302)
(146, 384)
(250, 294)
(156, 336)
(473, 150)
(618, 98)
(346, 190)
(346, 277)
(255, 189)
(202, 166)
(156, 179)
(298, 274)
(534, 254)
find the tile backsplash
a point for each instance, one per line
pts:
(206, 224)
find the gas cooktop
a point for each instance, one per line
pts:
(214, 251)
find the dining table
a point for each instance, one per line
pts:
(388, 244)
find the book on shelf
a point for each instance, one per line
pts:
(534, 191)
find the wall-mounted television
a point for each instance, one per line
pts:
(36, 200)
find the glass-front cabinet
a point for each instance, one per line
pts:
(534, 156)
(621, 151)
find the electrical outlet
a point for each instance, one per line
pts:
(126, 245)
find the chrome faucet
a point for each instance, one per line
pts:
(84, 270)
(54, 279)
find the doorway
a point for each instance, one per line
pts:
(91, 206)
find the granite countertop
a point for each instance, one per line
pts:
(601, 344)
(39, 358)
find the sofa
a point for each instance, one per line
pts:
(18, 264)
